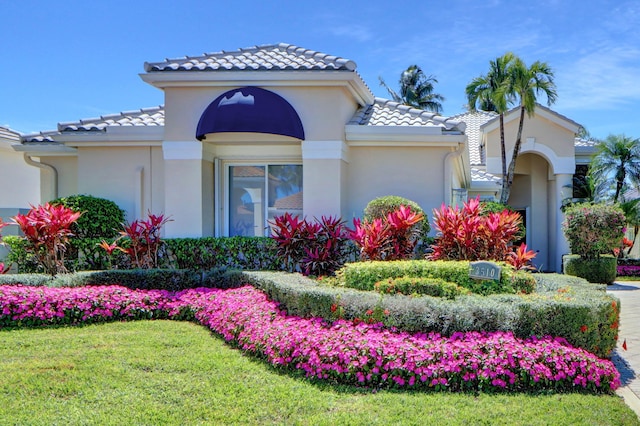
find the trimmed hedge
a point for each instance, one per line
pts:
(582, 313)
(602, 269)
(569, 307)
(435, 287)
(183, 253)
(364, 275)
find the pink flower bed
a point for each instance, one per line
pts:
(628, 270)
(363, 355)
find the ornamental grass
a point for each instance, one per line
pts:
(365, 355)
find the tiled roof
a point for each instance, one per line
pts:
(585, 143)
(8, 134)
(385, 112)
(290, 202)
(474, 120)
(271, 57)
(481, 175)
(143, 117)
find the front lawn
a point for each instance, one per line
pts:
(172, 372)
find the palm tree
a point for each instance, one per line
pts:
(525, 83)
(416, 90)
(487, 93)
(617, 156)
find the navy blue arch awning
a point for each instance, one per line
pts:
(250, 109)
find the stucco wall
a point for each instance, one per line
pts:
(414, 173)
(548, 135)
(132, 177)
(20, 183)
(67, 175)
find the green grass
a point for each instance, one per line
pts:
(177, 373)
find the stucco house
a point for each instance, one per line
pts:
(249, 134)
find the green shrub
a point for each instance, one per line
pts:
(252, 253)
(380, 207)
(599, 270)
(100, 218)
(593, 229)
(435, 287)
(569, 307)
(364, 275)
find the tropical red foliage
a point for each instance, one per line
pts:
(47, 228)
(521, 258)
(467, 234)
(142, 241)
(391, 238)
(312, 248)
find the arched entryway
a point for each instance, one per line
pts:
(533, 191)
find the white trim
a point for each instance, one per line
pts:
(357, 135)
(325, 150)
(187, 150)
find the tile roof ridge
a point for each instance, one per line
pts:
(66, 125)
(289, 48)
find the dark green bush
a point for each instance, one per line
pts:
(364, 275)
(100, 218)
(183, 253)
(253, 253)
(435, 287)
(602, 269)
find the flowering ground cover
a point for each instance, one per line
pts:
(363, 354)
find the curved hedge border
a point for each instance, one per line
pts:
(582, 313)
(564, 306)
(364, 355)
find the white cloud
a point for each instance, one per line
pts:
(601, 79)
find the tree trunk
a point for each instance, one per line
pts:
(503, 153)
(506, 186)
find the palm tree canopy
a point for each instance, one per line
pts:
(527, 83)
(416, 90)
(488, 92)
(618, 158)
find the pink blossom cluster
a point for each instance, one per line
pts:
(369, 355)
(342, 352)
(628, 270)
(25, 305)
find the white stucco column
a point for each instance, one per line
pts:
(563, 190)
(188, 187)
(324, 166)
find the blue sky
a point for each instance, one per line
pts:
(66, 60)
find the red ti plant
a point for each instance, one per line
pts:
(312, 248)
(391, 238)
(143, 241)
(47, 228)
(466, 234)
(521, 258)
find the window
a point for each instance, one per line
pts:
(259, 193)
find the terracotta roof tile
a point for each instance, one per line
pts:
(271, 57)
(291, 202)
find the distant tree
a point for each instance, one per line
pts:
(416, 90)
(617, 157)
(487, 93)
